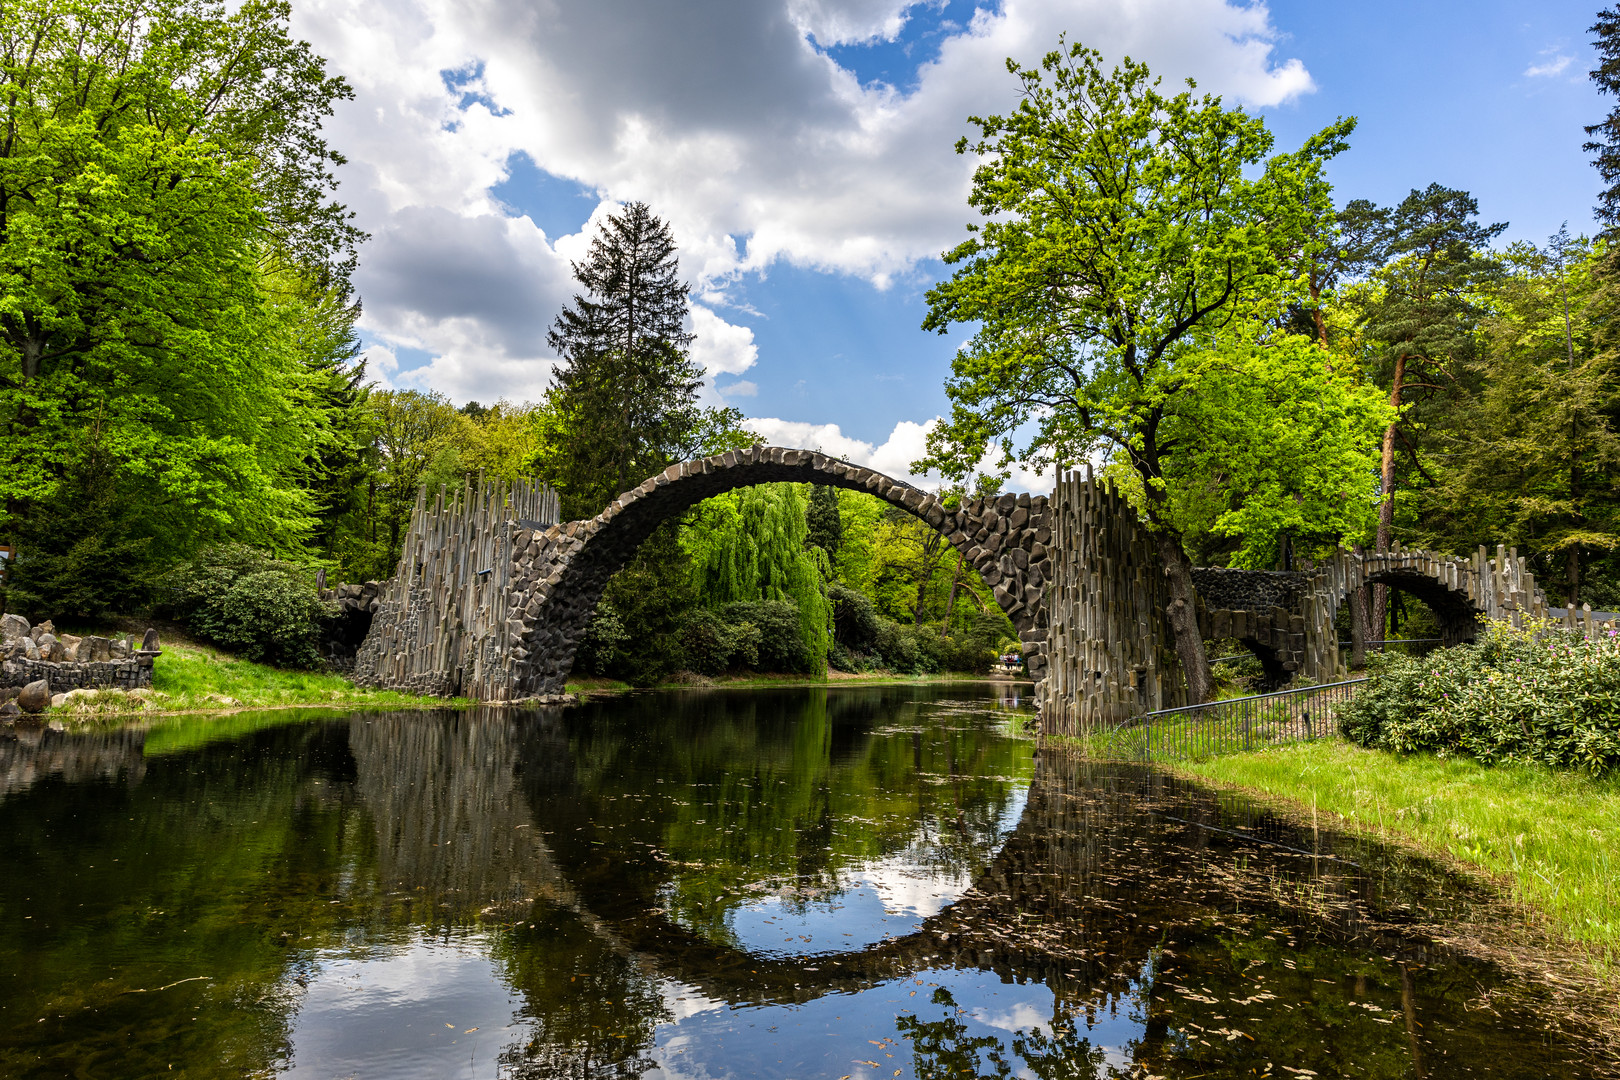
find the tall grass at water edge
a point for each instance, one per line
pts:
(1553, 836)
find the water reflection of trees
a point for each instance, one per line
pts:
(765, 795)
(113, 889)
(1120, 890)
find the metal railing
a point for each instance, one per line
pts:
(1225, 727)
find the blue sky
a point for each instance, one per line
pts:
(801, 150)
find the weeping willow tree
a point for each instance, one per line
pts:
(750, 544)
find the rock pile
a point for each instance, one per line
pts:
(37, 663)
(342, 636)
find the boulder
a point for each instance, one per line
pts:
(44, 638)
(13, 629)
(46, 627)
(9, 711)
(58, 700)
(9, 693)
(120, 648)
(95, 650)
(30, 651)
(149, 643)
(35, 697)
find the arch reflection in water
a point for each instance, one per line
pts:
(626, 888)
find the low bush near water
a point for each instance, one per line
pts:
(259, 607)
(1552, 698)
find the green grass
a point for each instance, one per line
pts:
(590, 685)
(194, 678)
(1552, 837)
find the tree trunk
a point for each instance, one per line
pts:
(926, 565)
(950, 601)
(1386, 506)
(1572, 574)
(1183, 614)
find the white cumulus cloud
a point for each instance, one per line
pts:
(721, 348)
(756, 145)
(1549, 68)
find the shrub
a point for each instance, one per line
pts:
(1513, 696)
(897, 645)
(245, 600)
(712, 646)
(781, 646)
(599, 646)
(855, 618)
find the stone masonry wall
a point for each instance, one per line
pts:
(522, 636)
(66, 662)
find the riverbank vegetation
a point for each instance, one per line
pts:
(1546, 834)
(1541, 695)
(195, 678)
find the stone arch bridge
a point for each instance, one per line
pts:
(493, 594)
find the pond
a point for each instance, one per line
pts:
(863, 882)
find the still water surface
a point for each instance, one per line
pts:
(871, 882)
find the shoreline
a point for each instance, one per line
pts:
(121, 710)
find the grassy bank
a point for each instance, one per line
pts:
(1552, 838)
(587, 686)
(195, 678)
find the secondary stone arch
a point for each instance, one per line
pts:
(558, 573)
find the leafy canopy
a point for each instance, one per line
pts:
(1125, 232)
(162, 173)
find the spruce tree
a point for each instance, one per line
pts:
(625, 396)
(1606, 144)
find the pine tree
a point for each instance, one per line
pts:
(625, 397)
(1422, 311)
(1607, 143)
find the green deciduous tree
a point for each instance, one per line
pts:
(1125, 230)
(750, 545)
(162, 172)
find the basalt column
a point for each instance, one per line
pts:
(1109, 652)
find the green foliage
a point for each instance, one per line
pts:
(255, 605)
(162, 175)
(855, 618)
(83, 554)
(712, 645)
(825, 529)
(772, 631)
(1526, 451)
(624, 403)
(1553, 699)
(752, 545)
(651, 597)
(1123, 230)
(599, 647)
(1606, 143)
(1272, 441)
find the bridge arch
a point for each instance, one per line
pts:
(559, 572)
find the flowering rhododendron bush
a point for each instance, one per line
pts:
(1546, 695)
